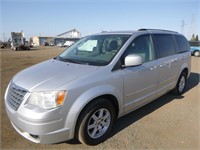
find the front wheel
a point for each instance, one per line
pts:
(181, 84)
(96, 122)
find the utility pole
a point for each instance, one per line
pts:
(183, 27)
(3, 37)
(191, 30)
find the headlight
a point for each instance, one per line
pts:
(47, 100)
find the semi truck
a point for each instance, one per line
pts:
(18, 41)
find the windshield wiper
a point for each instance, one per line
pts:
(70, 60)
(73, 61)
(58, 58)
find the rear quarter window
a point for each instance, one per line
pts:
(164, 45)
(182, 43)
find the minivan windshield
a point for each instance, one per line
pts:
(97, 50)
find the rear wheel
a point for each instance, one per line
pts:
(181, 84)
(197, 53)
(96, 122)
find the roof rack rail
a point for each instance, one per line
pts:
(157, 30)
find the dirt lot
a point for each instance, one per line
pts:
(169, 122)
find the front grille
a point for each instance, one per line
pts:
(15, 96)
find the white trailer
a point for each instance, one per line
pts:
(18, 41)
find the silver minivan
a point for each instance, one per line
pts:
(80, 93)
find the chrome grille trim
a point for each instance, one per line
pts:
(15, 96)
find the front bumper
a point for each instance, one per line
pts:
(41, 131)
(37, 125)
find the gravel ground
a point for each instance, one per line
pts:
(169, 122)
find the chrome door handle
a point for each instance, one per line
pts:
(174, 60)
(153, 68)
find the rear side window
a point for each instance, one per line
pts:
(164, 44)
(183, 45)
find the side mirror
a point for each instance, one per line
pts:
(132, 60)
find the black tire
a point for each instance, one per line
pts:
(197, 53)
(91, 132)
(181, 84)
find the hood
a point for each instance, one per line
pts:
(51, 74)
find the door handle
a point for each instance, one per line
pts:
(153, 68)
(174, 60)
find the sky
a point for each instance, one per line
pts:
(53, 17)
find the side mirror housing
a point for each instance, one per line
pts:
(132, 60)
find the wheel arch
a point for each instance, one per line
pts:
(106, 92)
(111, 98)
(185, 68)
(195, 50)
(186, 71)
